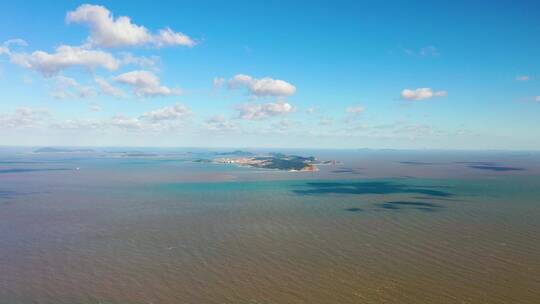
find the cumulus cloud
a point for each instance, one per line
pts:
(5, 47)
(256, 111)
(284, 126)
(145, 84)
(522, 78)
(219, 123)
(311, 110)
(158, 120)
(421, 94)
(262, 87)
(357, 110)
(117, 122)
(150, 62)
(353, 113)
(65, 87)
(175, 112)
(4, 50)
(325, 121)
(16, 41)
(155, 120)
(167, 37)
(65, 56)
(126, 123)
(23, 118)
(78, 124)
(108, 89)
(218, 82)
(95, 108)
(107, 31)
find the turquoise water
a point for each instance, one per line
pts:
(370, 230)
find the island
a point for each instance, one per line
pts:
(235, 153)
(277, 161)
(63, 150)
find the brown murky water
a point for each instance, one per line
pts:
(137, 233)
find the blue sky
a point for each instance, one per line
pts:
(313, 74)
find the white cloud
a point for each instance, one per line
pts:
(163, 119)
(255, 111)
(65, 87)
(168, 37)
(325, 121)
(119, 122)
(284, 126)
(440, 94)
(145, 84)
(142, 61)
(65, 56)
(218, 82)
(16, 41)
(126, 123)
(219, 123)
(106, 31)
(86, 92)
(240, 80)
(108, 89)
(427, 51)
(95, 108)
(23, 118)
(78, 124)
(262, 87)
(357, 110)
(311, 110)
(175, 112)
(537, 98)
(4, 48)
(421, 94)
(522, 78)
(415, 130)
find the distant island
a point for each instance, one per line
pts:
(235, 153)
(277, 161)
(62, 150)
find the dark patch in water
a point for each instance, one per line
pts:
(417, 163)
(12, 162)
(354, 209)
(7, 194)
(477, 163)
(368, 188)
(496, 168)
(346, 170)
(421, 206)
(437, 198)
(25, 170)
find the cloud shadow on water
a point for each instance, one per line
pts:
(496, 168)
(360, 188)
(347, 170)
(400, 205)
(7, 194)
(417, 163)
(27, 170)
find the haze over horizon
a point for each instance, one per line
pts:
(320, 74)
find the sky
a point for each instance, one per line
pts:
(298, 74)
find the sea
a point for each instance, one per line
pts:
(158, 225)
